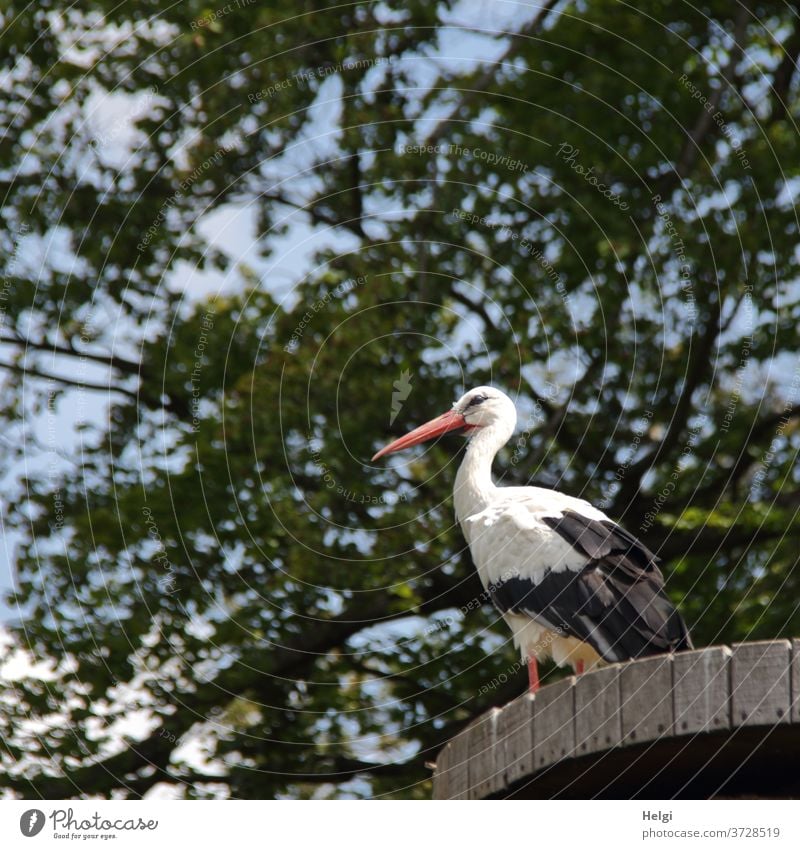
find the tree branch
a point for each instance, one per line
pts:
(784, 74)
(699, 359)
(66, 381)
(476, 307)
(354, 225)
(475, 90)
(705, 124)
(110, 360)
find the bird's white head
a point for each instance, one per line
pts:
(481, 409)
(487, 407)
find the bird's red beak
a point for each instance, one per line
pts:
(451, 420)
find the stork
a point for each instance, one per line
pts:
(571, 584)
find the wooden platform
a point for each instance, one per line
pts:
(716, 722)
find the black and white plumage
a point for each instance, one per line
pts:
(570, 583)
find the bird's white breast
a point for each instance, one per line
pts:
(508, 538)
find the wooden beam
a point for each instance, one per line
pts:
(701, 690)
(554, 712)
(486, 768)
(760, 683)
(646, 699)
(515, 734)
(660, 721)
(598, 719)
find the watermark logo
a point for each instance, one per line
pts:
(402, 389)
(31, 822)
(570, 156)
(340, 291)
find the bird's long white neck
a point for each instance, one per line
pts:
(474, 488)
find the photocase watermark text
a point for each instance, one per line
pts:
(570, 156)
(344, 288)
(669, 487)
(166, 581)
(488, 156)
(639, 429)
(206, 326)
(211, 18)
(685, 272)
(524, 244)
(534, 419)
(305, 77)
(719, 119)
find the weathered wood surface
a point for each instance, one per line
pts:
(597, 711)
(554, 709)
(646, 702)
(760, 682)
(701, 690)
(514, 741)
(660, 721)
(482, 757)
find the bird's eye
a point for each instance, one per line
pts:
(476, 399)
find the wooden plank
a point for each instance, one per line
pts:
(795, 681)
(484, 764)
(441, 775)
(646, 699)
(714, 689)
(515, 739)
(554, 723)
(701, 690)
(598, 723)
(760, 683)
(458, 774)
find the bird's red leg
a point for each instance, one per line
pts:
(533, 674)
(580, 665)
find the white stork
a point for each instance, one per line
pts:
(570, 583)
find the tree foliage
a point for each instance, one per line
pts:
(589, 205)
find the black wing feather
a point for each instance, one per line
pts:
(616, 603)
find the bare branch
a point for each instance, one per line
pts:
(705, 124)
(110, 360)
(473, 306)
(27, 371)
(784, 74)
